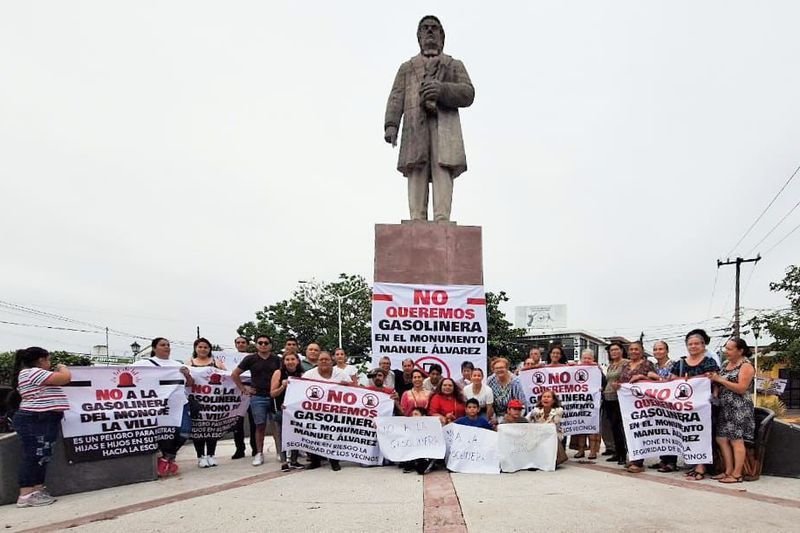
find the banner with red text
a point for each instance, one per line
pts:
(333, 420)
(577, 388)
(668, 418)
(220, 402)
(120, 411)
(431, 324)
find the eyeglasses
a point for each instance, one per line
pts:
(263, 343)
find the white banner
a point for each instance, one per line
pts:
(578, 389)
(431, 324)
(668, 418)
(333, 420)
(523, 446)
(120, 411)
(471, 450)
(405, 438)
(231, 359)
(220, 401)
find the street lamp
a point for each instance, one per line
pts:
(339, 300)
(756, 327)
(135, 349)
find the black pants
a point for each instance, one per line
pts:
(614, 417)
(169, 448)
(205, 447)
(669, 459)
(315, 460)
(238, 432)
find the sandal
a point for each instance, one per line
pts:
(635, 469)
(720, 476)
(667, 468)
(731, 479)
(690, 473)
(579, 455)
(698, 476)
(657, 466)
(592, 457)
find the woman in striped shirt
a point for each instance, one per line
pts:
(41, 406)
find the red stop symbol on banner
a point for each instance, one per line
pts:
(424, 364)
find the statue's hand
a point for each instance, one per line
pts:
(390, 135)
(430, 90)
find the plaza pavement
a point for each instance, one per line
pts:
(577, 497)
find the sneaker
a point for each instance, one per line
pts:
(238, 455)
(211, 460)
(173, 468)
(202, 462)
(258, 459)
(35, 499)
(296, 465)
(285, 467)
(162, 467)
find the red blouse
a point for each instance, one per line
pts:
(445, 405)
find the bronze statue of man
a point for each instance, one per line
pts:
(427, 92)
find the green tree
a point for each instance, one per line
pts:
(311, 315)
(502, 336)
(784, 325)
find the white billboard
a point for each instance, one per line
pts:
(541, 317)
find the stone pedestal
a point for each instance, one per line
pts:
(428, 253)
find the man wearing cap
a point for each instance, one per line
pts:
(377, 377)
(514, 413)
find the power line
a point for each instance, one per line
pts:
(48, 327)
(746, 233)
(783, 239)
(713, 290)
(774, 228)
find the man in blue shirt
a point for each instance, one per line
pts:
(474, 418)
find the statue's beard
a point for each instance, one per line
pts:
(431, 47)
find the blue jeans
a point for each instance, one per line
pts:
(37, 433)
(263, 409)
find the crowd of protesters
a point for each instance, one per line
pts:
(469, 398)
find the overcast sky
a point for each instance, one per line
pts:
(166, 165)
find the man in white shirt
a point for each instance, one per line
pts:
(325, 371)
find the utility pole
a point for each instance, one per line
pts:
(738, 262)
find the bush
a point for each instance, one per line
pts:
(773, 403)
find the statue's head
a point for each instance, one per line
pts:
(430, 35)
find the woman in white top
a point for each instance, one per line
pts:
(476, 389)
(340, 357)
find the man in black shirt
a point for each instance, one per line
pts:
(261, 365)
